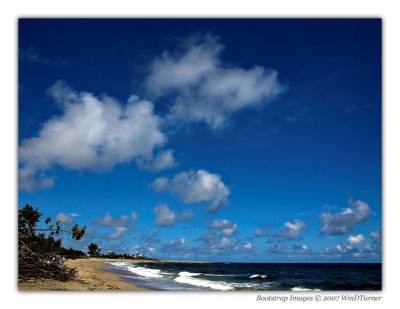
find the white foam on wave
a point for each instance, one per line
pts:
(188, 278)
(303, 289)
(145, 272)
(257, 276)
(118, 264)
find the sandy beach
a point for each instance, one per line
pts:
(93, 275)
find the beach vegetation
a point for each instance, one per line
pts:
(40, 251)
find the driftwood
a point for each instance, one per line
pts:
(32, 265)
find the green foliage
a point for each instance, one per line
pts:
(40, 239)
(28, 219)
(94, 249)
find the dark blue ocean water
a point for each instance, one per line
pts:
(252, 276)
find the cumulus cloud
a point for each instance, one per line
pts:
(355, 247)
(355, 240)
(196, 187)
(344, 248)
(376, 236)
(109, 221)
(292, 230)
(248, 246)
(260, 232)
(167, 217)
(66, 218)
(92, 133)
(164, 160)
(203, 88)
(226, 227)
(301, 248)
(343, 221)
(118, 232)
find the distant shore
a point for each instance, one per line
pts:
(93, 275)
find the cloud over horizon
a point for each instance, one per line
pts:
(344, 221)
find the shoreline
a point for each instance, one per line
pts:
(93, 274)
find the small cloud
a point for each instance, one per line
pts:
(342, 222)
(134, 216)
(355, 240)
(118, 233)
(226, 227)
(164, 160)
(277, 248)
(301, 248)
(261, 232)
(109, 221)
(376, 236)
(66, 218)
(248, 246)
(166, 217)
(292, 230)
(196, 187)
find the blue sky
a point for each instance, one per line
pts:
(221, 140)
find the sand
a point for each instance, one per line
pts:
(93, 275)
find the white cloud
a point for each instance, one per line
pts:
(301, 249)
(205, 89)
(248, 246)
(258, 233)
(164, 160)
(164, 215)
(342, 222)
(118, 233)
(225, 242)
(109, 221)
(196, 187)
(292, 230)
(134, 216)
(151, 250)
(65, 218)
(355, 240)
(376, 236)
(227, 228)
(167, 217)
(261, 232)
(92, 133)
(186, 215)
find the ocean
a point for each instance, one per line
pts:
(172, 276)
